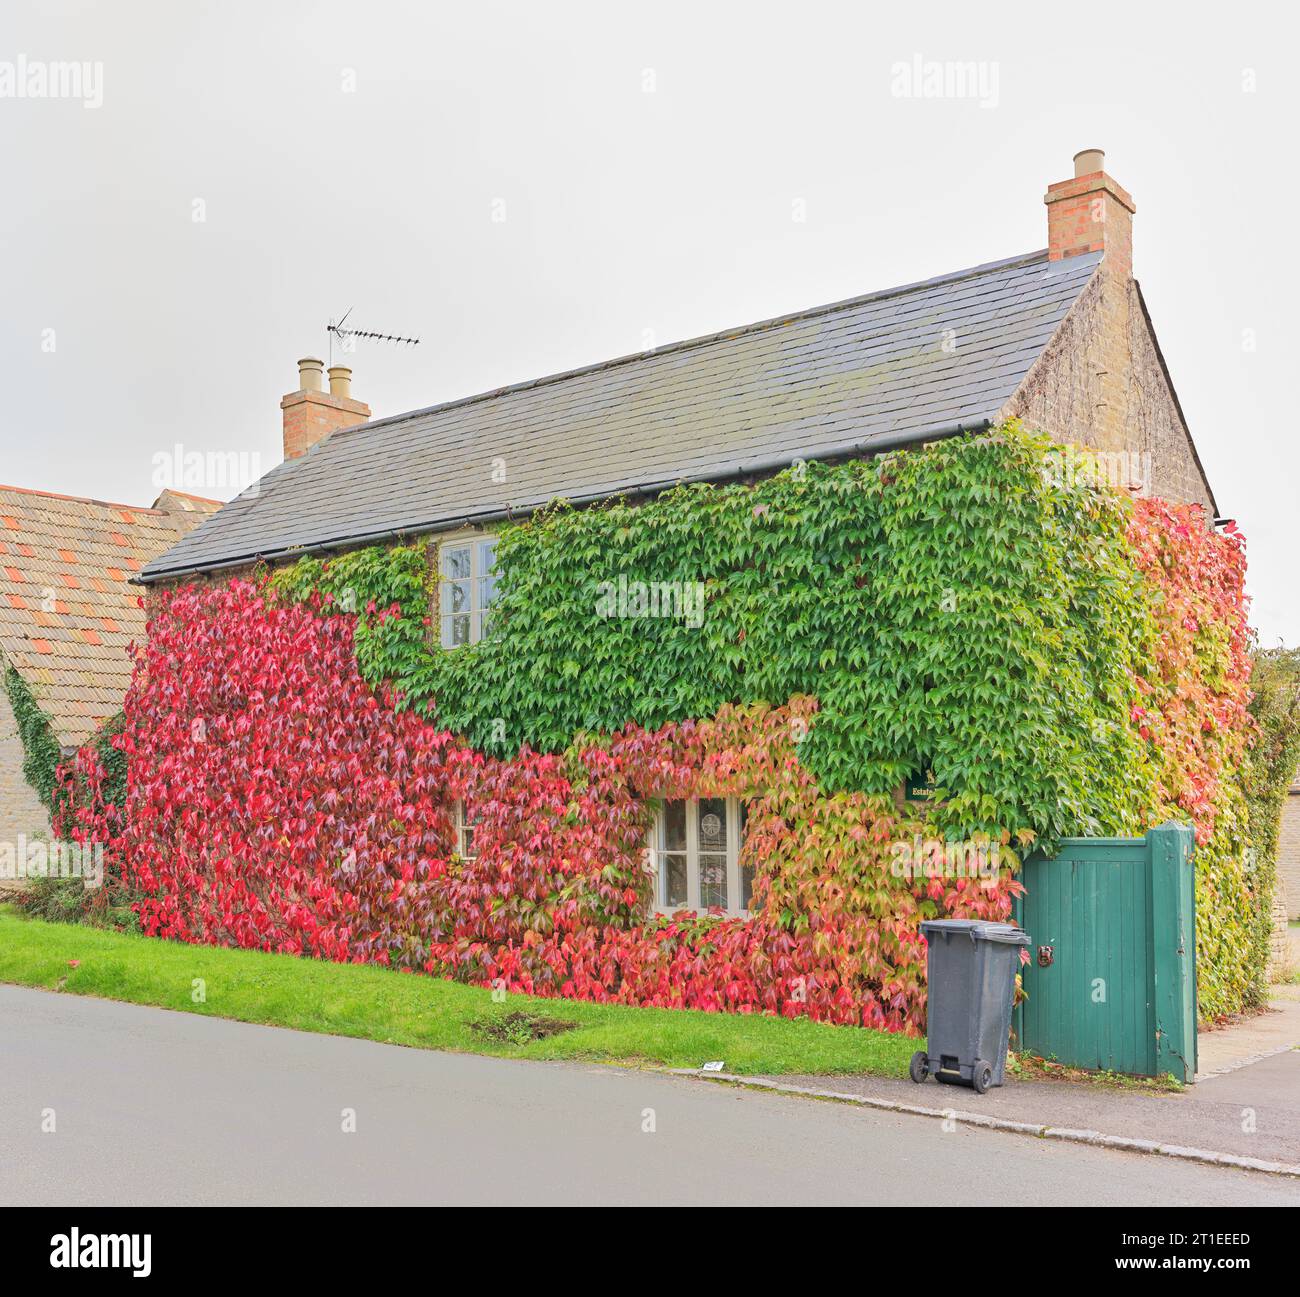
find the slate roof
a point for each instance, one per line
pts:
(853, 377)
(67, 610)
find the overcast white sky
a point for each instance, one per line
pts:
(649, 160)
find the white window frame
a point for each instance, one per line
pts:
(659, 857)
(473, 542)
(464, 826)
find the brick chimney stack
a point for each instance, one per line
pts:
(311, 413)
(1090, 213)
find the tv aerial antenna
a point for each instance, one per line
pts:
(345, 337)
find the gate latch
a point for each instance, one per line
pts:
(1044, 956)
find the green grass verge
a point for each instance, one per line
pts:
(425, 1012)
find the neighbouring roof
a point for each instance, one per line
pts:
(67, 610)
(853, 377)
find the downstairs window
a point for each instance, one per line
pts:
(697, 844)
(465, 825)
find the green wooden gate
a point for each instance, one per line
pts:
(1111, 981)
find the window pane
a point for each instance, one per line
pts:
(674, 827)
(455, 596)
(713, 824)
(456, 562)
(487, 582)
(482, 618)
(455, 630)
(674, 881)
(713, 881)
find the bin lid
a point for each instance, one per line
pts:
(978, 930)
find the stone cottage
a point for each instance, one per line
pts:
(1059, 338)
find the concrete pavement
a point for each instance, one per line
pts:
(156, 1107)
(1248, 1039)
(1245, 1103)
(1252, 1114)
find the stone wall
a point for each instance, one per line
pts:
(1288, 853)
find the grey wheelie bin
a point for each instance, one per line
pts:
(972, 968)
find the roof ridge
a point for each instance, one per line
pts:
(86, 499)
(188, 495)
(703, 339)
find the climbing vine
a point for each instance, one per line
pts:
(43, 756)
(41, 751)
(1270, 767)
(1194, 717)
(277, 802)
(973, 609)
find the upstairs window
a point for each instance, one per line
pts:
(466, 587)
(697, 845)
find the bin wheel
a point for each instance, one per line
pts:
(919, 1068)
(981, 1076)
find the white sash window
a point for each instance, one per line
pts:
(466, 587)
(696, 844)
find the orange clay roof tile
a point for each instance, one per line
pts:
(71, 650)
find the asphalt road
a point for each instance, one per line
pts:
(152, 1107)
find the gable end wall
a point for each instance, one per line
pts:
(1101, 383)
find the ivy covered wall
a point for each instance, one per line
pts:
(974, 608)
(1061, 659)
